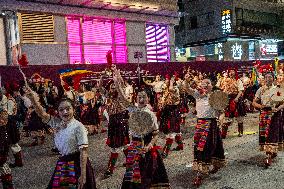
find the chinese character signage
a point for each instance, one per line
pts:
(237, 51)
(267, 49)
(226, 21)
(220, 51)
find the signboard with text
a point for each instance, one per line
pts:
(268, 49)
(226, 21)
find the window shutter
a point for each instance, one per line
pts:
(157, 43)
(75, 44)
(37, 27)
(91, 39)
(120, 42)
(97, 40)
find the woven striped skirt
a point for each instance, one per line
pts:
(208, 145)
(144, 170)
(271, 131)
(67, 173)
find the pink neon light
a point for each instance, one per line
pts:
(120, 40)
(96, 31)
(75, 47)
(157, 43)
(98, 36)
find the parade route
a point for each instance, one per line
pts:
(244, 168)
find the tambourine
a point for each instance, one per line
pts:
(277, 94)
(140, 122)
(219, 100)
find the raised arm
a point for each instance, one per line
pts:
(36, 104)
(63, 84)
(121, 80)
(100, 86)
(119, 89)
(171, 87)
(187, 88)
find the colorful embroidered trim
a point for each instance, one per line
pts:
(135, 152)
(112, 162)
(264, 124)
(201, 132)
(65, 176)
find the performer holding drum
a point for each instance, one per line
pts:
(236, 108)
(144, 165)
(171, 116)
(208, 145)
(269, 99)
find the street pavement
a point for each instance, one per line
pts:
(244, 168)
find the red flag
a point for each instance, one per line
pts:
(23, 61)
(109, 58)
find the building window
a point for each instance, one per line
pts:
(204, 20)
(181, 26)
(90, 39)
(37, 28)
(193, 22)
(180, 6)
(211, 18)
(157, 40)
(239, 16)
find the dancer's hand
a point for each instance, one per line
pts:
(30, 93)
(115, 79)
(148, 147)
(113, 67)
(275, 110)
(262, 107)
(27, 89)
(82, 181)
(186, 76)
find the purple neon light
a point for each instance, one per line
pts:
(98, 36)
(157, 43)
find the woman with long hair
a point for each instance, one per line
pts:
(73, 168)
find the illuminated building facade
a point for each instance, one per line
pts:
(84, 31)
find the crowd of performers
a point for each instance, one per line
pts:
(134, 116)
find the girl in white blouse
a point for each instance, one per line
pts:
(73, 169)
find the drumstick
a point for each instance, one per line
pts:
(24, 76)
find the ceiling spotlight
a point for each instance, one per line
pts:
(3, 13)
